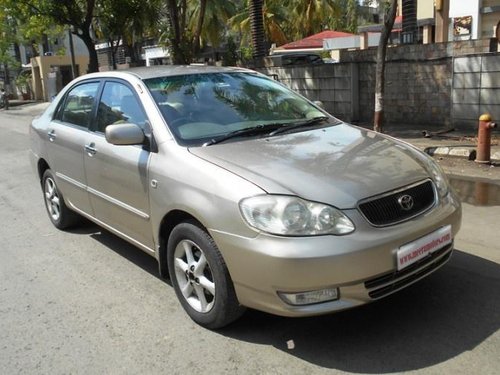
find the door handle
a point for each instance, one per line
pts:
(90, 149)
(52, 135)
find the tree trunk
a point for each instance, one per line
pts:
(113, 50)
(89, 43)
(199, 27)
(378, 119)
(130, 48)
(257, 29)
(45, 44)
(178, 56)
(182, 16)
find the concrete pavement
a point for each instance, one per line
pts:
(86, 302)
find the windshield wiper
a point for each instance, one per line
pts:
(246, 132)
(294, 125)
(270, 129)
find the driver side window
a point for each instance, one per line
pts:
(77, 109)
(119, 105)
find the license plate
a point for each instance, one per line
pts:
(414, 251)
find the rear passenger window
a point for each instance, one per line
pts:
(77, 108)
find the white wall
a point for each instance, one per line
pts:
(425, 9)
(78, 45)
(460, 8)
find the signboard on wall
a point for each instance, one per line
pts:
(462, 26)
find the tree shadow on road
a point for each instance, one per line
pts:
(442, 316)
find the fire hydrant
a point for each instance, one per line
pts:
(484, 138)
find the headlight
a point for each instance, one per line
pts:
(438, 176)
(292, 216)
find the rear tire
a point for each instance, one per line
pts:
(59, 214)
(200, 277)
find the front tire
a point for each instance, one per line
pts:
(60, 215)
(200, 277)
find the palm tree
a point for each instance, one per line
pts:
(175, 36)
(127, 21)
(208, 19)
(144, 22)
(312, 15)
(273, 17)
(257, 27)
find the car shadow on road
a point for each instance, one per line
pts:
(442, 316)
(121, 247)
(450, 312)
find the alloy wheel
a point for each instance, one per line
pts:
(194, 276)
(52, 199)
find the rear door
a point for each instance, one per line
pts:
(117, 176)
(67, 134)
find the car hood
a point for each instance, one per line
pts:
(338, 165)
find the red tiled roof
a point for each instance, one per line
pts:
(398, 24)
(316, 40)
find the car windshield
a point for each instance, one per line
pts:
(204, 108)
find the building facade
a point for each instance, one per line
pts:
(466, 20)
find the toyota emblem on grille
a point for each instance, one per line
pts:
(406, 202)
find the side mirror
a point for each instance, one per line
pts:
(124, 134)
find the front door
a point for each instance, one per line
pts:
(117, 176)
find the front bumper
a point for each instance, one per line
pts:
(361, 265)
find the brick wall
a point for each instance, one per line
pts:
(476, 89)
(436, 85)
(415, 92)
(329, 83)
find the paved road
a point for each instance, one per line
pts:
(85, 302)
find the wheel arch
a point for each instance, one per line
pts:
(42, 166)
(168, 223)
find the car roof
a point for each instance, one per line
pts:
(147, 72)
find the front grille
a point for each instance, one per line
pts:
(388, 283)
(386, 210)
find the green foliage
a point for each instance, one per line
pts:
(347, 18)
(296, 19)
(276, 21)
(246, 53)
(7, 37)
(132, 21)
(182, 48)
(217, 12)
(23, 82)
(61, 52)
(126, 20)
(313, 16)
(231, 54)
(38, 16)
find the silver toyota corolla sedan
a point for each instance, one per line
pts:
(246, 193)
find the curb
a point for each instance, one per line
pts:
(467, 152)
(17, 103)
